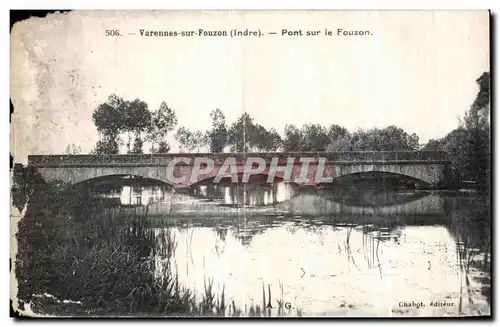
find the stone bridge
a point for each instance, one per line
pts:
(308, 169)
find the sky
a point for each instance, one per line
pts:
(416, 70)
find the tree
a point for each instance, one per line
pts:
(138, 143)
(390, 138)
(315, 137)
(343, 143)
(136, 119)
(163, 147)
(293, 139)
(272, 140)
(453, 143)
(433, 145)
(108, 118)
(199, 140)
(116, 116)
(106, 146)
(260, 138)
(468, 146)
(72, 149)
(477, 124)
(242, 134)
(163, 121)
(217, 136)
(183, 137)
(336, 132)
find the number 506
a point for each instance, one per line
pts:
(112, 33)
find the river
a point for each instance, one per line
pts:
(350, 251)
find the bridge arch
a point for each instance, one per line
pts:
(380, 178)
(122, 179)
(76, 175)
(420, 172)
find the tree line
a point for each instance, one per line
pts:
(132, 123)
(134, 119)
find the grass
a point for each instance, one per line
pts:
(101, 264)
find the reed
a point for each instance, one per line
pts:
(77, 259)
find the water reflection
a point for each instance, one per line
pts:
(249, 195)
(236, 195)
(135, 195)
(330, 270)
(336, 252)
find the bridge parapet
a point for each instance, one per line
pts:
(240, 158)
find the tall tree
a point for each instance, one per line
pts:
(469, 145)
(183, 137)
(315, 137)
(108, 118)
(453, 143)
(477, 124)
(267, 140)
(163, 121)
(199, 140)
(293, 139)
(217, 136)
(335, 132)
(242, 134)
(136, 119)
(138, 143)
(106, 146)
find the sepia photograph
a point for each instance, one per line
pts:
(251, 164)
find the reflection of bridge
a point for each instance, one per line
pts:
(427, 206)
(304, 168)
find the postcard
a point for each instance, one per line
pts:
(251, 164)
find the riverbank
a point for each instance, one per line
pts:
(78, 258)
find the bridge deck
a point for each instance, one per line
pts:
(347, 157)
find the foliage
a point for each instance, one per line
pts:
(265, 140)
(293, 139)
(241, 134)
(315, 137)
(469, 145)
(183, 137)
(43, 211)
(106, 146)
(72, 149)
(190, 140)
(390, 138)
(72, 249)
(163, 147)
(138, 143)
(245, 135)
(163, 120)
(432, 145)
(108, 116)
(136, 119)
(336, 132)
(477, 124)
(116, 116)
(218, 135)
